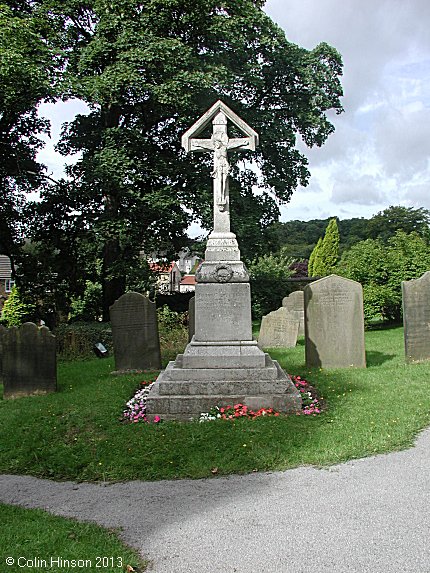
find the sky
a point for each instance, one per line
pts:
(379, 153)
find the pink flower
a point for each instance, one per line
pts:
(157, 419)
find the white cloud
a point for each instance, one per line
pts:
(378, 155)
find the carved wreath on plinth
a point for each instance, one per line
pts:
(222, 273)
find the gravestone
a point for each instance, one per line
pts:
(334, 323)
(3, 330)
(29, 361)
(295, 303)
(136, 343)
(191, 318)
(416, 318)
(222, 364)
(279, 329)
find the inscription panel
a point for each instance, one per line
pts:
(223, 312)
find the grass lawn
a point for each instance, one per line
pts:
(31, 538)
(77, 434)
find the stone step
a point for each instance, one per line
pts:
(226, 387)
(220, 374)
(187, 407)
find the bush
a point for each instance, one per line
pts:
(381, 268)
(16, 310)
(88, 307)
(77, 340)
(268, 276)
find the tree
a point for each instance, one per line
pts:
(325, 255)
(381, 267)
(27, 76)
(148, 70)
(268, 277)
(315, 258)
(398, 218)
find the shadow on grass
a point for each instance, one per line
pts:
(375, 358)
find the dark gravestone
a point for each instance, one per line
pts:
(191, 318)
(295, 305)
(3, 330)
(29, 361)
(136, 343)
(334, 323)
(416, 318)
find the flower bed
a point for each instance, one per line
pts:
(135, 410)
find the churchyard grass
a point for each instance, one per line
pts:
(77, 434)
(31, 538)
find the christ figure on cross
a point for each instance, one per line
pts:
(220, 143)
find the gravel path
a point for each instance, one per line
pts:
(369, 515)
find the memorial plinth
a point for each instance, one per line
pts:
(222, 365)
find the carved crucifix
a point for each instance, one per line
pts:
(220, 144)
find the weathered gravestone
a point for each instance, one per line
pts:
(222, 364)
(191, 318)
(29, 361)
(3, 330)
(295, 303)
(279, 329)
(334, 323)
(136, 343)
(416, 318)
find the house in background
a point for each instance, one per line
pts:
(188, 283)
(6, 282)
(169, 277)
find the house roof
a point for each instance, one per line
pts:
(162, 268)
(188, 280)
(5, 268)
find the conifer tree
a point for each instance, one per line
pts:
(314, 258)
(327, 256)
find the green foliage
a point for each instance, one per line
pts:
(88, 307)
(326, 253)
(147, 75)
(314, 259)
(16, 310)
(77, 340)
(268, 275)
(168, 319)
(386, 223)
(381, 267)
(27, 76)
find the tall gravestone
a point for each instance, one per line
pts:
(295, 303)
(279, 329)
(222, 364)
(135, 337)
(416, 318)
(29, 361)
(334, 323)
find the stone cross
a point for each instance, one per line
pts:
(220, 144)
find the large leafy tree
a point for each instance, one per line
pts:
(148, 69)
(27, 76)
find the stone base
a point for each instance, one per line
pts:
(225, 377)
